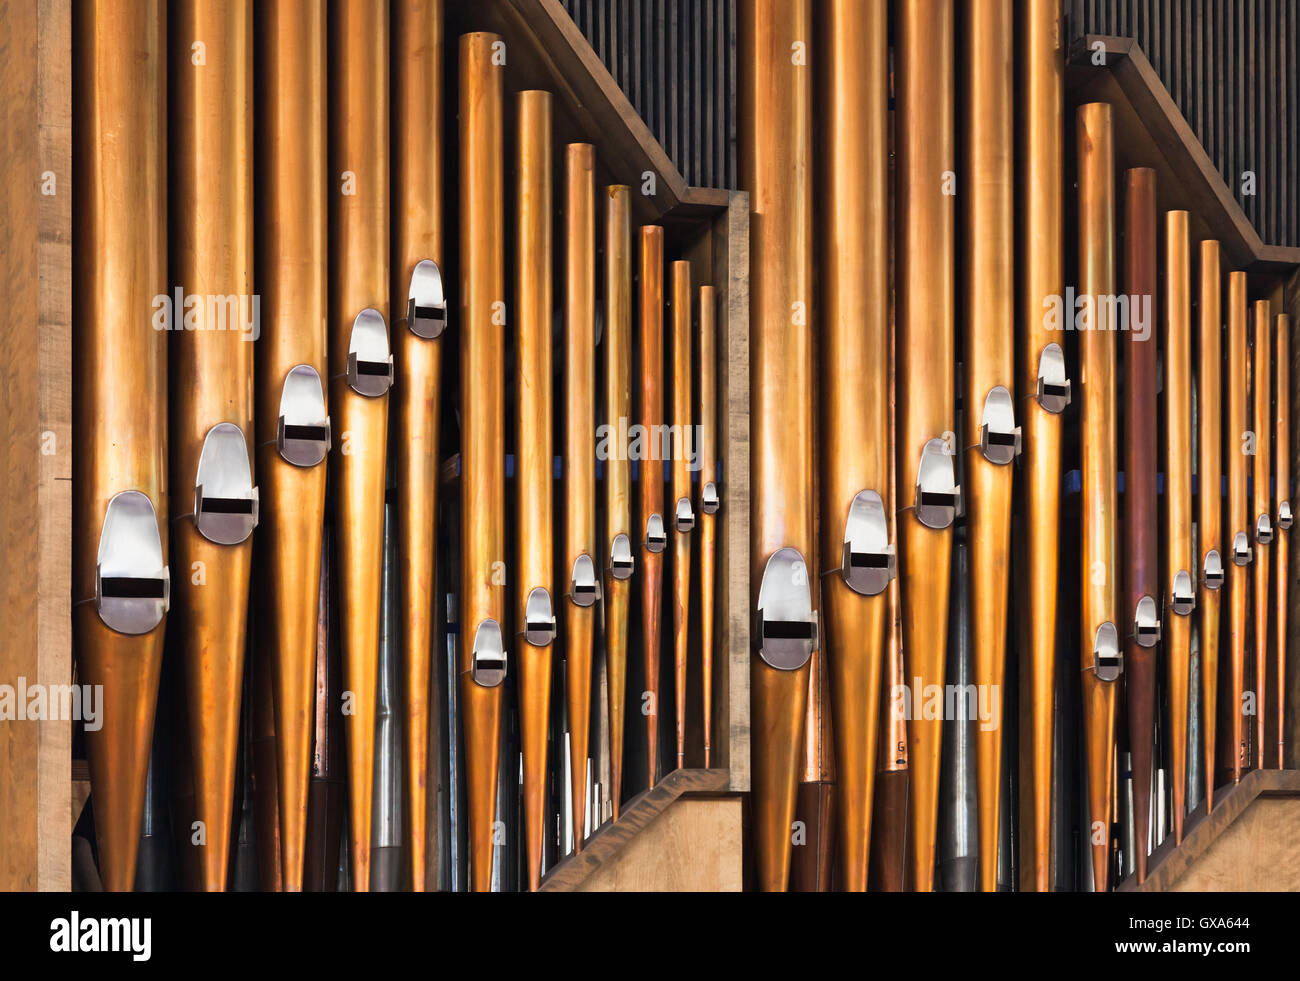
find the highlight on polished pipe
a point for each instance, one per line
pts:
(120, 580)
(929, 496)
(855, 370)
(1142, 606)
(1180, 590)
(361, 375)
(481, 604)
(1261, 512)
(619, 558)
(293, 426)
(710, 501)
(1234, 446)
(683, 505)
(1209, 473)
(535, 601)
(1045, 391)
(991, 440)
(1282, 396)
(1102, 659)
(775, 99)
(214, 500)
(418, 291)
(583, 587)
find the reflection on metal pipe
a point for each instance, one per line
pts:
(1282, 358)
(958, 865)
(682, 506)
(1239, 535)
(325, 792)
(1261, 514)
(1209, 402)
(710, 501)
(386, 832)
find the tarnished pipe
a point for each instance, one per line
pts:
(1261, 513)
(683, 507)
(1209, 473)
(1235, 449)
(1282, 396)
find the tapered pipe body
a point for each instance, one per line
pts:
(120, 395)
(579, 460)
(417, 166)
(535, 405)
(211, 138)
(1209, 403)
(618, 470)
(1141, 576)
(1261, 516)
(682, 506)
(1099, 464)
(854, 253)
(1239, 532)
(482, 356)
(359, 243)
(1282, 521)
(708, 502)
(775, 97)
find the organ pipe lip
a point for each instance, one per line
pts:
(1241, 550)
(685, 518)
(1183, 598)
(488, 660)
(225, 500)
(868, 559)
(999, 434)
(710, 501)
(370, 362)
(539, 618)
(655, 536)
(1107, 661)
(132, 582)
(426, 302)
(1146, 623)
(303, 435)
(1053, 392)
(1263, 529)
(1213, 569)
(786, 623)
(621, 561)
(1284, 515)
(938, 497)
(584, 588)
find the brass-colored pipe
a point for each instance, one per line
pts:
(652, 479)
(325, 794)
(854, 233)
(417, 139)
(618, 469)
(1261, 513)
(709, 500)
(535, 407)
(482, 506)
(775, 96)
(265, 782)
(1041, 174)
(1178, 500)
(579, 461)
(988, 153)
(359, 244)
(1282, 358)
(211, 133)
(1239, 534)
(683, 508)
(925, 224)
(1209, 401)
(120, 396)
(291, 279)
(1096, 164)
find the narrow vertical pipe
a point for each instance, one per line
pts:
(119, 265)
(580, 461)
(1179, 592)
(925, 223)
(1235, 448)
(1261, 513)
(1282, 396)
(683, 508)
(1209, 402)
(853, 202)
(386, 834)
(417, 167)
(291, 250)
(211, 136)
(775, 98)
(709, 501)
(535, 404)
(360, 375)
(1099, 637)
(1041, 177)
(325, 804)
(481, 604)
(619, 555)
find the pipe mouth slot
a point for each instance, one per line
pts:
(132, 582)
(1241, 551)
(1183, 598)
(787, 626)
(709, 500)
(655, 536)
(1263, 530)
(685, 518)
(1146, 623)
(303, 436)
(1107, 661)
(1284, 515)
(225, 500)
(426, 303)
(868, 560)
(370, 362)
(938, 498)
(621, 561)
(539, 618)
(584, 588)
(488, 661)
(1053, 391)
(1213, 569)
(999, 434)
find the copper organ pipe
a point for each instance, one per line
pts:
(119, 398)
(683, 508)
(1261, 512)
(1235, 449)
(1209, 401)
(709, 501)
(1282, 358)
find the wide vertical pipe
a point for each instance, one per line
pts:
(1235, 447)
(417, 164)
(120, 395)
(212, 383)
(619, 555)
(1261, 512)
(709, 501)
(1179, 588)
(775, 96)
(359, 243)
(1041, 85)
(1141, 576)
(1282, 397)
(991, 438)
(925, 188)
(291, 279)
(683, 508)
(579, 461)
(1099, 638)
(481, 604)
(853, 200)
(1209, 475)
(535, 404)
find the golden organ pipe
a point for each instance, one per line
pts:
(1261, 513)
(1213, 556)
(1282, 358)
(709, 500)
(1239, 533)
(683, 508)
(652, 527)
